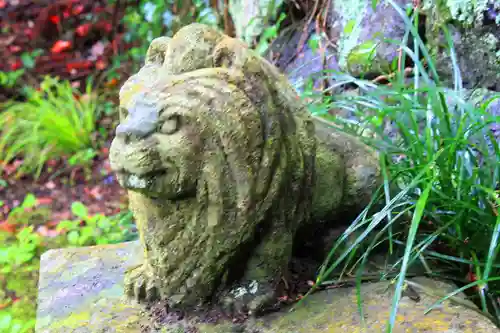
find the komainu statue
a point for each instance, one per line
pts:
(224, 168)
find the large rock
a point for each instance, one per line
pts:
(474, 28)
(81, 291)
(477, 50)
(359, 33)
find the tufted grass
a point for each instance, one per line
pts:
(55, 120)
(437, 210)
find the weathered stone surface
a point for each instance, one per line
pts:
(354, 24)
(224, 165)
(356, 29)
(358, 35)
(300, 65)
(81, 290)
(476, 38)
(477, 52)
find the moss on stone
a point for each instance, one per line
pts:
(220, 193)
(465, 11)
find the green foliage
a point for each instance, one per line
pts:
(269, 34)
(29, 58)
(87, 230)
(20, 253)
(56, 120)
(19, 262)
(363, 55)
(155, 18)
(441, 168)
(27, 213)
(10, 324)
(9, 79)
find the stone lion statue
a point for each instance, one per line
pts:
(224, 166)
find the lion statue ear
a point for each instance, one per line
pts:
(231, 53)
(157, 50)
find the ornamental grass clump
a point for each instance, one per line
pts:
(439, 206)
(55, 120)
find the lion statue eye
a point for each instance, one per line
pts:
(170, 125)
(123, 113)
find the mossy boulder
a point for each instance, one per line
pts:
(359, 41)
(81, 291)
(477, 51)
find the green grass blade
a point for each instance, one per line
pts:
(419, 210)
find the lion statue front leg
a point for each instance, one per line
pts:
(256, 291)
(141, 285)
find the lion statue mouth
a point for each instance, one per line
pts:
(140, 183)
(152, 183)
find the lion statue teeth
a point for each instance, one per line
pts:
(223, 165)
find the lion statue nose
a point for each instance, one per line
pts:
(132, 132)
(140, 123)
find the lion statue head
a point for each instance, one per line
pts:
(217, 155)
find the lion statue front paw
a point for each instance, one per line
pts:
(141, 285)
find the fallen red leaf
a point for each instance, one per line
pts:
(14, 48)
(52, 162)
(107, 166)
(8, 227)
(15, 66)
(104, 26)
(44, 201)
(96, 193)
(28, 32)
(52, 224)
(59, 216)
(77, 10)
(98, 10)
(60, 46)
(12, 167)
(55, 19)
(79, 65)
(66, 13)
(83, 29)
(46, 232)
(111, 83)
(100, 64)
